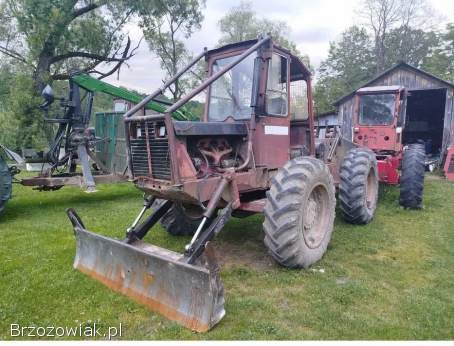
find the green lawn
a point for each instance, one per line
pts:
(391, 279)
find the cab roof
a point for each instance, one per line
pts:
(377, 89)
(298, 70)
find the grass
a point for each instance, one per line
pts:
(391, 279)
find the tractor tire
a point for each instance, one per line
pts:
(180, 219)
(299, 212)
(412, 177)
(358, 188)
(5, 184)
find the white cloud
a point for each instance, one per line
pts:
(313, 25)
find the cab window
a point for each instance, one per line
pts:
(299, 104)
(276, 87)
(377, 109)
(231, 93)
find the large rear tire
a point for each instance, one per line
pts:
(5, 184)
(412, 177)
(299, 212)
(358, 188)
(180, 219)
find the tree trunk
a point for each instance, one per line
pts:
(380, 53)
(41, 75)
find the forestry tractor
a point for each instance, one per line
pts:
(254, 152)
(381, 123)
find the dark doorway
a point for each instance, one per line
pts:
(424, 119)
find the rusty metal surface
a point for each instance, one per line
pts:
(193, 191)
(341, 148)
(266, 149)
(76, 180)
(256, 206)
(191, 295)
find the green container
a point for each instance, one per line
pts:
(5, 183)
(111, 150)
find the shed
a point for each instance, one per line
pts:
(325, 124)
(430, 104)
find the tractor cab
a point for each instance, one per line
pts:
(268, 92)
(379, 118)
(257, 116)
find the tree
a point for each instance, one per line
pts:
(350, 63)
(241, 23)
(164, 35)
(409, 45)
(21, 122)
(397, 32)
(43, 41)
(52, 37)
(382, 16)
(441, 60)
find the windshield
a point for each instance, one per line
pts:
(377, 109)
(231, 93)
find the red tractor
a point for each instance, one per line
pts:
(380, 123)
(253, 152)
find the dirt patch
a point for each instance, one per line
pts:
(252, 254)
(434, 177)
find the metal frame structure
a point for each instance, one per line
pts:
(162, 165)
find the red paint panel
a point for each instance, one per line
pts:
(449, 164)
(388, 170)
(377, 137)
(271, 144)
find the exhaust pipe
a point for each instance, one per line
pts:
(189, 294)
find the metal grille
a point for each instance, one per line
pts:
(155, 155)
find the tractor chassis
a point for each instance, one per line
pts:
(202, 190)
(59, 180)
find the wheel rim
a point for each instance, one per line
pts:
(316, 216)
(371, 190)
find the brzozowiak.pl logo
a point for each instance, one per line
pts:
(92, 330)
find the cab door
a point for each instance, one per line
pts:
(272, 133)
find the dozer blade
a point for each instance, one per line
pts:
(191, 295)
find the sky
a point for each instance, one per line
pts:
(313, 24)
